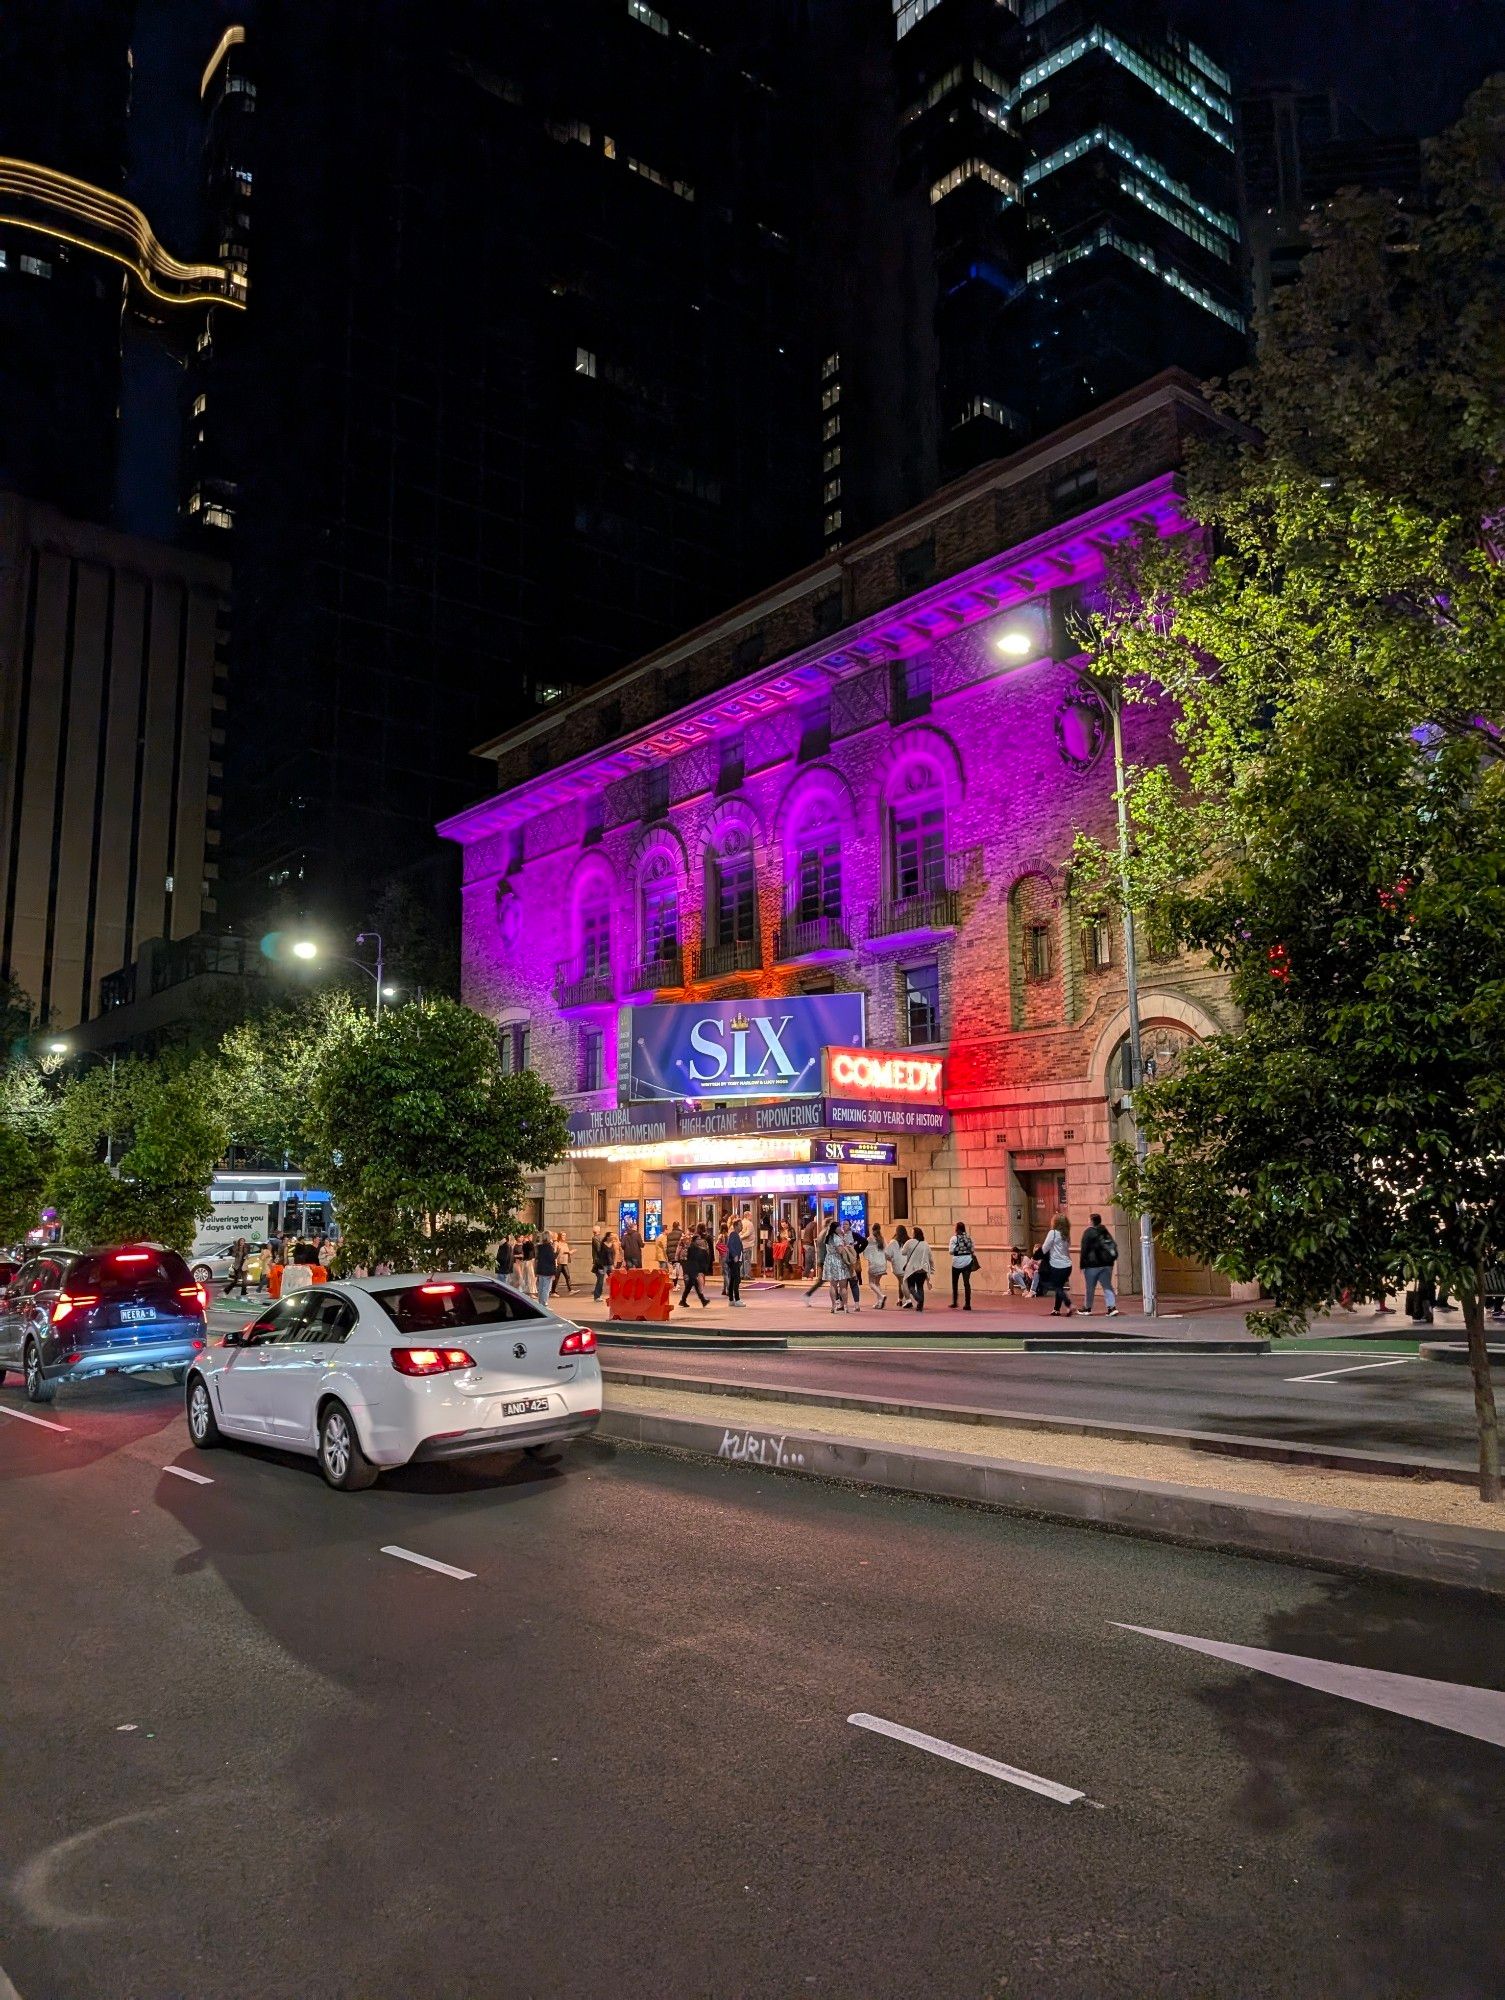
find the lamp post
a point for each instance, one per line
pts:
(374, 937)
(308, 950)
(1112, 696)
(94, 1055)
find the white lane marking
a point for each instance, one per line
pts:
(1469, 1711)
(1358, 1368)
(427, 1562)
(182, 1472)
(25, 1417)
(1046, 1787)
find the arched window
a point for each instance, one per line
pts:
(733, 899)
(659, 910)
(595, 930)
(815, 882)
(917, 834)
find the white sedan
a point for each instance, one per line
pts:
(377, 1372)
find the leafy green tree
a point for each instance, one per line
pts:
(422, 1139)
(28, 1120)
(137, 1146)
(1334, 833)
(266, 1068)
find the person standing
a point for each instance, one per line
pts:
(876, 1257)
(735, 1257)
(505, 1259)
(1099, 1255)
(856, 1242)
(807, 1248)
(919, 1269)
(527, 1251)
(604, 1258)
(834, 1269)
(546, 1265)
(963, 1254)
(1055, 1264)
(300, 1273)
(898, 1261)
(697, 1256)
(562, 1259)
(671, 1242)
(632, 1248)
(240, 1256)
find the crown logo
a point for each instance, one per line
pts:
(740, 1023)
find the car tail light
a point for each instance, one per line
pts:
(76, 1355)
(438, 1291)
(581, 1341)
(430, 1360)
(195, 1292)
(68, 1302)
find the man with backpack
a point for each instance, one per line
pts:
(1099, 1254)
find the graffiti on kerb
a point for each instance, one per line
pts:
(758, 1448)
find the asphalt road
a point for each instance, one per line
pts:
(249, 1753)
(1423, 1409)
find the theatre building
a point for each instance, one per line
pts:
(784, 912)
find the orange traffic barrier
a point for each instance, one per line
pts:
(641, 1295)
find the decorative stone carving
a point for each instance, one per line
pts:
(1082, 727)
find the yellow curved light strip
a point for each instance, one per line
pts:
(123, 234)
(227, 42)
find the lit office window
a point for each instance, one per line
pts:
(36, 267)
(833, 522)
(832, 491)
(585, 361)
(200, 404)
(829, 366)
(831, 427)
(831, 396)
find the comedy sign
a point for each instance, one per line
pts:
(740, 1048)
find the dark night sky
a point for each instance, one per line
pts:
(1406, 65)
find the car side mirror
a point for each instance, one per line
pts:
(239, 1337)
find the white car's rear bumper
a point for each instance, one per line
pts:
(512, 1437)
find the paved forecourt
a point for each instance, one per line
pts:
(640, 1725)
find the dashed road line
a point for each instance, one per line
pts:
(428, 1562)
(938, 1747)
(1358, 1368)
(182, 1472)
(25, 1417)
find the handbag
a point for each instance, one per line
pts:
(974, 1263)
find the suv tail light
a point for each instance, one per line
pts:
(581, 1341)
(430, 1360)
(197, 1293)
(132, 1257)
(68, 1302)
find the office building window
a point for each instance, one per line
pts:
(919, 842)
(831, 459)
(922, 1003)
(829, 366)
(736, 903)
(830, 397)
(36, 267)
(831, 427)
(585, 361)
(1037, 951)
(832, 491)
(832, 524)
(590, 1059)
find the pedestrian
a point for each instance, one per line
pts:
(258, 1267)
(1021, 1272)
(669, 1250)
(273, 1269)
(240, 1256)
(299, 1273)
(807, 1247)
(919, 1268)
(735, 1256)
(562, 1260)
(876, 1256)
(697, 1258)
(963, 1254)
(632, 1247)
(856, 1244)
(834, 1268)
(1099, 1254)
(603, 1258)
(527, 1255)
(505, 1259)
(1055, 1265)
(545, 1265)
(898, 1259)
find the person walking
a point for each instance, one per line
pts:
(876, 1258)
(834, 1269)
(735, 1258)
(963, 1254)
(1099, 1254)
(919, 1269)
(527, 1256)
(815, 1260)
(1055, 1265)
(898, 1260)
(856, 1246)
(632, 1248)
(671, 1242)
(505, 1259)
(697, 1255)
(562, 1259)
(300, 1273)
(240, 1257)
(808, 1234)
(545, 1265)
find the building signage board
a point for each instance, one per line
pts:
(759, 1180)
(885, 1073)
(729, 1049)
(856, 1152)
(622, 1125)
(856, 1115)
(800, 1114)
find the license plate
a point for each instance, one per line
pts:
(529, 1406)
(136, 1315)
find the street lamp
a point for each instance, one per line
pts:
(306, 949)
(94, 1055)
(374, 937)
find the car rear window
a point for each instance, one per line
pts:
(447, 1302)
(136, 1264)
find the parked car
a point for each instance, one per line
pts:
(70, 1315)
(372, 1373)
(210, 1262)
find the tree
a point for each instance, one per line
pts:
(161, 1124)
(423, 1141)
(1335, 834)
(28, 1120)
(266, 1069)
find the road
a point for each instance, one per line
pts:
(1422, 1409)
(252, 1752)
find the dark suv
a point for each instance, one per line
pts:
(70, 1314)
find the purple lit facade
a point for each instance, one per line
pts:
(887, 811)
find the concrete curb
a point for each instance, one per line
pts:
(696, 1343)
(1456, 1350)
(1283, 1530)
(1140, 1343)
(1224, 1444)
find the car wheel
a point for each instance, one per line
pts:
(38, 1388)
(202, 1275)
(341, 1459)
(202, 1425)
